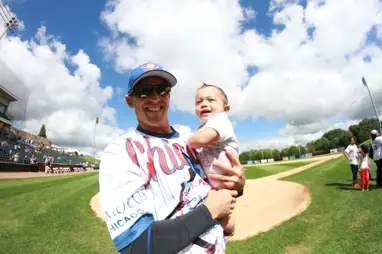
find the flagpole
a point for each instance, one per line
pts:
(372, 102)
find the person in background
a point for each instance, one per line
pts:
(376, 154)
(351, 153)
(364, 167)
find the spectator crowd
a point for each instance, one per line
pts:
(14, 149)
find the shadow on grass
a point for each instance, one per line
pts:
(342, 186)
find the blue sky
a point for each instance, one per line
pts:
(77, 24)
(302, 68)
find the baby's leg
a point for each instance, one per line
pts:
(228, 224)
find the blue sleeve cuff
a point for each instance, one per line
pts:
(132, 233)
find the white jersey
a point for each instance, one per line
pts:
(227, 141)
(377, 148)
(144, 178)
(352, 150)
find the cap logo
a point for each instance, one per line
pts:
(149, 66)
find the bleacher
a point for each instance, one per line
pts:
(17, 151)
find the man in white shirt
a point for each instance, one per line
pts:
(377, 154)
(153, 192)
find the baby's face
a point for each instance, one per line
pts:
(208, 102)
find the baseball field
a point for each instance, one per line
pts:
(307, 206)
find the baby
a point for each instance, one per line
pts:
(214, 136)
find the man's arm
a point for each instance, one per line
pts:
(171, 236)
(203, 137)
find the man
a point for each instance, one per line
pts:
(152, 192)
(376, 154)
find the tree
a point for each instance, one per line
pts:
(322, 144)
(293, 151)
(267, 154)
(251, 155)
(42, 132)
(335, 138)
(344, 140)
(365, 126)
(302, 150)
(311, 147)
(258, 155)
(362, 130)
(244, 157)
(276, 153)
(284, 152)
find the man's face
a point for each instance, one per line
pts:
(151, 111)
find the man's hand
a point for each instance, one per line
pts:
(234, 177)
(220, 203)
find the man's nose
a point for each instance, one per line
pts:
(154, 96)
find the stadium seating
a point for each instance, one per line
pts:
(16, 150)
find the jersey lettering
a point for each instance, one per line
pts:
(131, 151)
(170, 158)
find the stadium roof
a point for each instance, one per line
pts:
(7, 94)
(16, 91)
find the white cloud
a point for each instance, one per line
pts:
(65, 91)
(309, 67)
(183, 129)
(295, 135)
(249, 13)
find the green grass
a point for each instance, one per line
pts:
(340, 219)
(51, 215)
(254, 172)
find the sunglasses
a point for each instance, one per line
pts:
(144, 91)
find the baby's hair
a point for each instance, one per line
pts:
(225, 98)
(365, 149)
(353, 137)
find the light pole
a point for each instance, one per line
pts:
(372, 102)
(10, 22)
(94, 137)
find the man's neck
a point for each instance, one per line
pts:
(165, 129)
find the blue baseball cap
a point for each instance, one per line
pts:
(149, 70)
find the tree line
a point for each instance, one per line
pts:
(336, 138)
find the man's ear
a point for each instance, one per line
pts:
(129, 100)
(227, 108)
